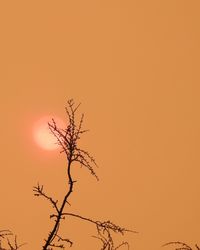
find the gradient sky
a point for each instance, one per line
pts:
(134, 66)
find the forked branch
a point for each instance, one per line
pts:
(68, 140)
(104, 232)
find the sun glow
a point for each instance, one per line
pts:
(43, 136)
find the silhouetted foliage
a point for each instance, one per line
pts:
(8, 241)
(181, 245)
(68, 140)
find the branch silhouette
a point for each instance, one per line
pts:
(181, 245)
(8, 241)
(68, 140)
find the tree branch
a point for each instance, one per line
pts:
(38, 191)
(68, 140)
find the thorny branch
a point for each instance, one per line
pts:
(104, 232)
(38, 191)
(68, 140)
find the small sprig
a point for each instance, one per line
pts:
(104, 232)
(181, 245)
(8, 241)
(38, 191)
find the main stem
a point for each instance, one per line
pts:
(54, 231)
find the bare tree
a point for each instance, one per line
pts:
(68, 140)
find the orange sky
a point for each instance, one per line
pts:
(134, 65)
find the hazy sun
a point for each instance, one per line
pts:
(43, 136)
